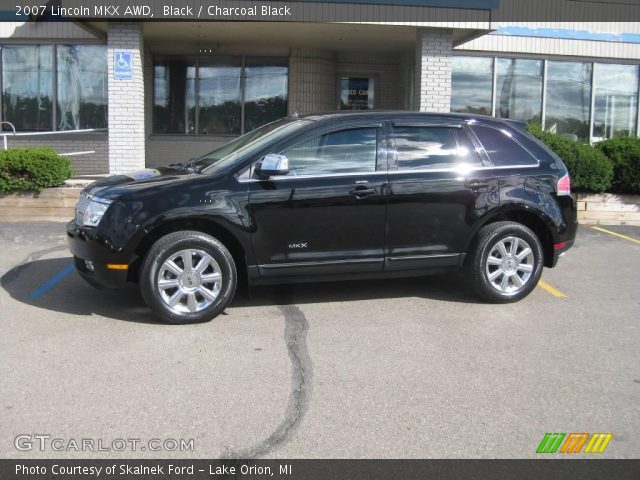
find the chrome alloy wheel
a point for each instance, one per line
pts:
(510, 265)
(189, 281)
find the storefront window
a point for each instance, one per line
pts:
(519, 89)
(616, 101)
(221, 91)
(82, 86)
(27, 87)
(219, 95)
(471, 85)
(568, 99)
(265, 98)
(174, 105)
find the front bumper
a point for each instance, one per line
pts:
(89, 245)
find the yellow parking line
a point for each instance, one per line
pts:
(631, 239)
(551, 290)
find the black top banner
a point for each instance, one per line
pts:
(409, 11)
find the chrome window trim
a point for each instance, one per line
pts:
(393, 172)
(326, 175)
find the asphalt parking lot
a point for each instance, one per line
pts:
(389, 369)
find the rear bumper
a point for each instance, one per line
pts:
(95, 258)
(565, 238)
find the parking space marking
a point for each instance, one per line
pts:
(551, 290)
(631, 239)
(49, 284)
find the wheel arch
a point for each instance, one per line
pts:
(531, 219)
(207, 226)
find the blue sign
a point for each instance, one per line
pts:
(122, 65)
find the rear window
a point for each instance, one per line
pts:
(502, 149)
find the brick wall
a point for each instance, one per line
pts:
(126, 101)
(89, 164)
(312, 81)
(433, 70)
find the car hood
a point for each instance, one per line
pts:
(115, 186)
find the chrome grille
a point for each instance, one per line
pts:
(81, 206)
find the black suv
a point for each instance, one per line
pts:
(342, 196)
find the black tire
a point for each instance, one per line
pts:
(163, 250)
(489, 237)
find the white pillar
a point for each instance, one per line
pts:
(126, 97)
(434, 49)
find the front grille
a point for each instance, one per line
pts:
(81, 206)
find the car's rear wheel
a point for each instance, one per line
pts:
(188, 277)
(506, 262)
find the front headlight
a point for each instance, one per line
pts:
(94, 212)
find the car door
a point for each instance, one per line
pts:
(438, 188)
(327, 215)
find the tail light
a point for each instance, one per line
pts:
(564, 185)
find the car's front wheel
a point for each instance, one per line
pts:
(188, 277)
(506, 262)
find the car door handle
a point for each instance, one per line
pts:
(362, 191)
(476, 184)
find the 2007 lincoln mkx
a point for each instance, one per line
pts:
(330, 197)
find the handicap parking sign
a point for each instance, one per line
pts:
(122, 65)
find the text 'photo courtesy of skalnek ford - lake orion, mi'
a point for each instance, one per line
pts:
(311, 239)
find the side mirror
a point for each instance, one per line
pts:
(272, 165)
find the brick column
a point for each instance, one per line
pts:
(434, 49)
(126, 101)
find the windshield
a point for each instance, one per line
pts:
(247, 144)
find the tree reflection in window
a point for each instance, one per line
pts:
(27, 88)
(82, 86)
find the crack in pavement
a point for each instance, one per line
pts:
(295, 335)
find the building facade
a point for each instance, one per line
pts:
(120, 96)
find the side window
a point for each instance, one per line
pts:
(502, 149)
(345, 151)
(425, 147)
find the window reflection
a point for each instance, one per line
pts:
(471, 85)
(174, 95)
(265, 98)
(227, 92)
(219, 95)
(568, 98)
(82, 86)
(616, 101)
(425, 147)
(345, 151)
(27, 86)
(519, 89)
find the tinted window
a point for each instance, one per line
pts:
(82, 86)
(219, 95)
(265, 91)
(27, 88)
(471, 84)
(568, 98)
(519, 89)
(501, 148)
(425, 147)
(344, 151)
